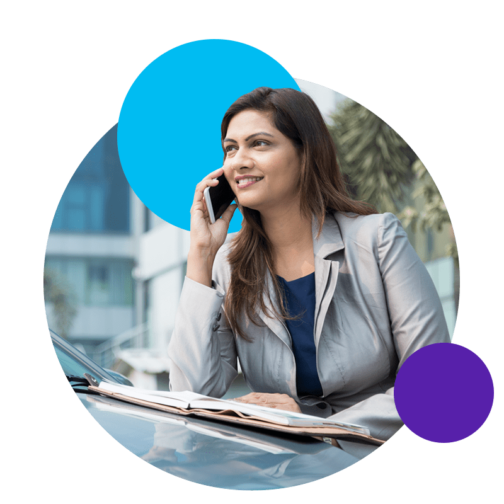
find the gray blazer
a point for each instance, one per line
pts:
(375, 305)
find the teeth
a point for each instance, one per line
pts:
(249, 179)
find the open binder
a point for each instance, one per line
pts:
(229, 411)
(262, 439)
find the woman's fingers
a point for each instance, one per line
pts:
(200, 188)
(228, 214)
(208, 180)
(265, 398)
(253, 396)
(242, 398)
(277, 401)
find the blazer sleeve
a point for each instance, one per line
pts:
(202, 349)
(416, 320)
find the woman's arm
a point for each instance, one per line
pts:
(416, 320)
(199, 267)
(202, 348)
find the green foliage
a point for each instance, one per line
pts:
(434, 214)
(375, 160)
(379, 168)
(59, 295)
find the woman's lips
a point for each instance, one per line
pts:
(247, 184)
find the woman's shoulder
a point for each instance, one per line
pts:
(367, 229)
(352, 220)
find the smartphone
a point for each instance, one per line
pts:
(218, 198)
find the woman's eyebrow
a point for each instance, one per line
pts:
(248, 138)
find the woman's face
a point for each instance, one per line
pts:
(262, 165)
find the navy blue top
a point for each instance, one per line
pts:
(299, 298)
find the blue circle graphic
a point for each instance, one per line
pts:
(444, 392)
(168, 134)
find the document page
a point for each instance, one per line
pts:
(177, 400)
(275, 415)
(191, 400)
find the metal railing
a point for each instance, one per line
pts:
(107, 353)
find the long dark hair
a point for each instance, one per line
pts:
(322, 189)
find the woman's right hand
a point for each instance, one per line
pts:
(206, 238)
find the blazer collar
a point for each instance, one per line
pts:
(326, 272)
(330, 239)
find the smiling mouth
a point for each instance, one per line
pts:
(241, 186)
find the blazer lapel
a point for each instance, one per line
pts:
(326, 270)
(326, 275)
(325, 301)
(273, 323)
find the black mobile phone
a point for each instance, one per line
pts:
(219, 197)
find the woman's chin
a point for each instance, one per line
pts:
(250, 203)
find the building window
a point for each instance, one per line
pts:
(99, 284)
(147, 220)
(96, 199)
(96, 282)
(146, 300)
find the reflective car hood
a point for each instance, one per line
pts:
(214, 453)
(206, 451)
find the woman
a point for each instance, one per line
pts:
(320, 298)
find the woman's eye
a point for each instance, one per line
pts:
(256, 143)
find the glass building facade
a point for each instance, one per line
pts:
(96, 199)
(90, 247)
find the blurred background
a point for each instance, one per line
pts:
(114, 270)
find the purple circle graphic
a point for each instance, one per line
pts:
(443, 392)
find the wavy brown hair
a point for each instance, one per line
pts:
(322, 189)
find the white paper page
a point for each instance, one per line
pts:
(145, 395)
(301, 419)
(186, 396)
(247, 409)
(281, 416)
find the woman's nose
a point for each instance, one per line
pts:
(241, 160)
